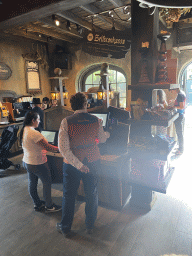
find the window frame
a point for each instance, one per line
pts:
(96, 68)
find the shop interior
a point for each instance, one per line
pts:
(120, 53)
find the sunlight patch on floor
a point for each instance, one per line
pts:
(180, 185)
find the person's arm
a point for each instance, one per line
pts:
(181, 105)
(102, 135)
(65, 150)
(45, 145)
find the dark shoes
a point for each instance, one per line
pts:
(67, 234)
(53, 208)
(40, 208)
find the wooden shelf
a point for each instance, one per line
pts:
(59, 77)
(153, 86)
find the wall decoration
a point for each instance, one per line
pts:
(5, 71)
(33, 77)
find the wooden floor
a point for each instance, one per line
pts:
(165, 230)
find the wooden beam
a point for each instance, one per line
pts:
(93, 10)
(75, 19)
(35, 29)
(48, 32)
(27, 36)
(145, 28)
(61, 28)
(43, 12)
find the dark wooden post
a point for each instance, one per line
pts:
(145, 28)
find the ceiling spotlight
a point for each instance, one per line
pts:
(68, 25)
(57, 22)
(110, 14)
(49, 39)
(1, 2)
(126, 10)
(79, 29)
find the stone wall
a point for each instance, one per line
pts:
(82, 61)
(11, 50)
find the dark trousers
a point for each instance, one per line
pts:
(43, 173)
(179, 126)
(71, 181)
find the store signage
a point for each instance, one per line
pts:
(5, 71)
(109, 44)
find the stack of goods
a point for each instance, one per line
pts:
(159, 113)
(154, 144)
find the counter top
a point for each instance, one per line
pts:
(165, 123)
(2, 126)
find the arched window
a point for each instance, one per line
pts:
(117, 79)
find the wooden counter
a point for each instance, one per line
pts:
(113, 187)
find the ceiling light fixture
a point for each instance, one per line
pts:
(49, 39)
(57, 22)
(68, 25)
(126, 10)
(79, 29)
(110, 14)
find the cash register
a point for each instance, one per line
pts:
(17, 107)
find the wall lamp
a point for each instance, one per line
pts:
(65, 93)
(101, 93)
(55, 95)
(57, 22)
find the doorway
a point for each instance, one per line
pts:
(186, 82)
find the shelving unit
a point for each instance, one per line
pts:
(143, 187)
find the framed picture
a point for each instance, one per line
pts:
(33, 77)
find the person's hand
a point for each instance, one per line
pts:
(56, 150)
(107, 134)
(84, 169)
(128, 109)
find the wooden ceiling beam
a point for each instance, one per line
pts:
(73, 32)
(27, 36)
(93, 10)
(46, 31)
(43, 12)
(30, 30)
(75, 19)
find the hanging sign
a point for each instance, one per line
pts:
(114, 44)
(5, 71)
